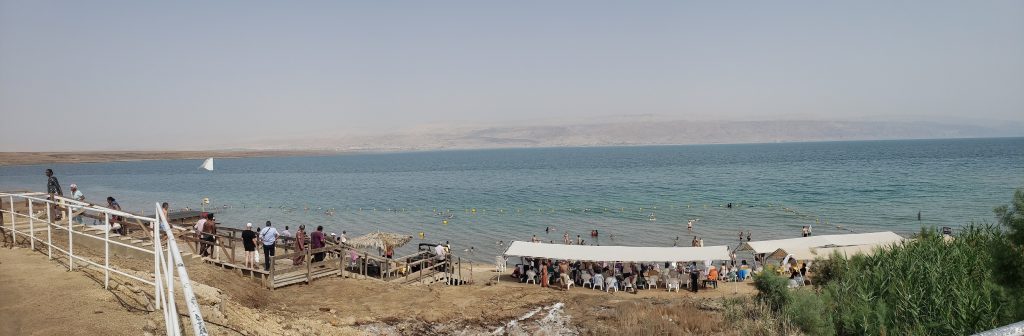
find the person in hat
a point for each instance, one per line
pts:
(249, 242)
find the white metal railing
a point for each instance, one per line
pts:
(163, 270)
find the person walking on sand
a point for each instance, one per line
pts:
(268, 236)
(300, 245)
(53, 189)
(249, 242)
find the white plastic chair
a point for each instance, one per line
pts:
(672, 283)
(586, 280)
(626, 285)
(531, 276)
(598, 282)
(611, 284)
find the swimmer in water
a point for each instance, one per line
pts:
(689, 225)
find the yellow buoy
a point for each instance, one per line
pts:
(445, 222)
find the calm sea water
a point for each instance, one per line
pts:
(638, 196)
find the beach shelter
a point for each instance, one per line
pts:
(803, 244)
(381, 240)
(616, 253)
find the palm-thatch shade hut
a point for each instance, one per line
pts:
(381, 240)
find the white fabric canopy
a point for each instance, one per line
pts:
(616, 253)
(803, 244)
(826, 252)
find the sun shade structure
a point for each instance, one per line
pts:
(803, 245)
(381, 240)
(616, 253)
(826, 252)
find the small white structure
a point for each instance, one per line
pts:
(808, 248)
(208, 164)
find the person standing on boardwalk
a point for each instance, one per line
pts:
(77, 195)
(269, 238)
(300, 245)
(209, 236)
(53, 188)
(249, 242)
(316, 240)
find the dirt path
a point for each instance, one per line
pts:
(40, 297)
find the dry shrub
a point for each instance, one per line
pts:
(652, 318)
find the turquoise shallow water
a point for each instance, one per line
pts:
(775, 189)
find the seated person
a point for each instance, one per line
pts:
(793, 281)
(712, 277)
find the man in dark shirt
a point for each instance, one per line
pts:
(53, 188)
(316, 240)
(249, 242)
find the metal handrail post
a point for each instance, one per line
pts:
(49, 232)
(13, 219)
(31, 227)
(106, 252)
(71, 243)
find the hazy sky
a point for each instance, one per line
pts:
(83, 75)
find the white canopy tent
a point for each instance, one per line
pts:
(616, 253)
(825, 252)
(810, 247)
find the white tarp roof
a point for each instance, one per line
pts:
(798, 244)
(616, 253)
(826, 252)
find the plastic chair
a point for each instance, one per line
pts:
(586, 280)
(531, 276)
(672, 283)
(598, 282)
(611, 284)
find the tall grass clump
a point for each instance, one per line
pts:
(926, 286)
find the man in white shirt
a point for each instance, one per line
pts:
(285, 232)
(344, 237)
(439, 250)
(268, 236)
(77, 195)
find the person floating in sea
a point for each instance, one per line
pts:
(547, 230)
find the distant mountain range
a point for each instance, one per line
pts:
(646, 132)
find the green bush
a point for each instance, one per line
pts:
(810, 312)
(772, 289)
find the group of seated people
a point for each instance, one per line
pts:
(629, 275)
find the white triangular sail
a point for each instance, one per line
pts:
(208, 164)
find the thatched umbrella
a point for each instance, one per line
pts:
(381, 240)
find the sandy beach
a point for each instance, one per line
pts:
(233, 304)
(30, 158)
